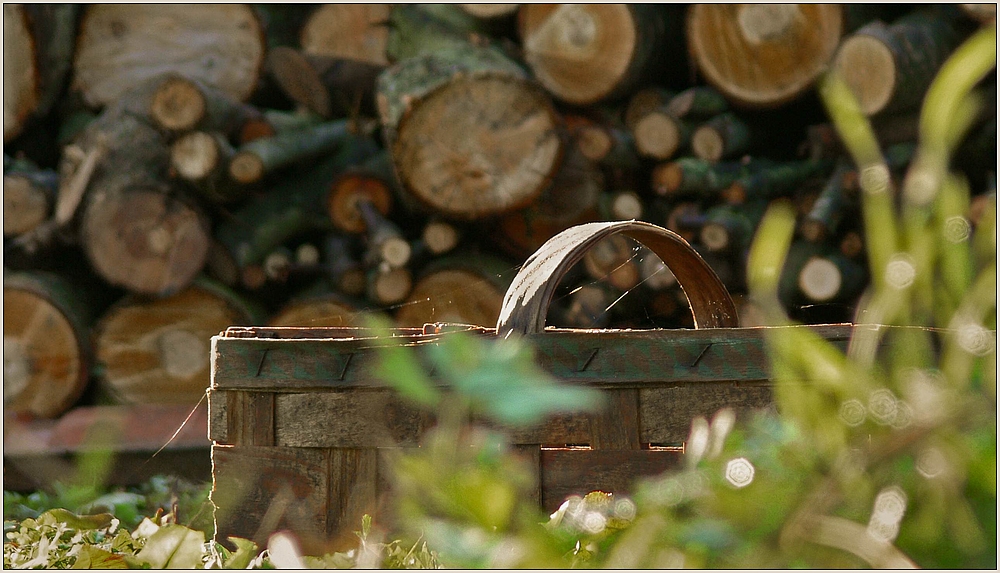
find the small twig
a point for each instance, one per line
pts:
(72, 189)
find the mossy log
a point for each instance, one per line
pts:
(775, 181)
(585, 53)
(763, 55)
(47, 353)
(470, 134)
(158, 351)
(697, 102)
(348, 31)
(419, 29)
(829, 208)
(693, 176)
(324, 85)
(29, 194)
(121, 45)
(890, 67)
(463, 288)
(730, 228)
(724, 136)
(38, 41)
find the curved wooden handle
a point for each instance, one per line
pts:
(527, 300)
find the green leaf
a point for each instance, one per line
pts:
(85, 522)
(173, 547)
(399, 367)
(91, 557)
(246, 550)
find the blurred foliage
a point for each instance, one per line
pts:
(881, 457)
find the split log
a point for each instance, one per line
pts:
(463, 288)
(724, 136)
(38, 42)
(569, 200)
(831, 277)
(325, 85)
(469, 134)
(158, 351)
(763, 55)
(585, 53)
(889, 68)
(121, 45)
(28, 196)
(290, 207)
(180, 104)
(47, 354)
(259, 157)
(348, 31)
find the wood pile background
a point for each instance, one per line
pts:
(173, 170)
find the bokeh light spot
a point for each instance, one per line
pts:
(739, 472)
(852, 412)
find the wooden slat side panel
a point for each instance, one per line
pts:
(666, 413)
(259, 490)
(578, 472)
(353, 486)
(218, 422)
(250, 419)
(347, 419)
(532, 454)
(616, 427)
(604, 358)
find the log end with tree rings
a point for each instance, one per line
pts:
(868, 67)
(46, 352)
(246, 167)
(299, 80)
(347, 191)
(122, 45)
(26, 204)
(317, 312)
(159, 351)
(440, 237)
(667, 178)
(579, 52)
(659, 135)
(489, 11)
(195, 155)
(20, 73)
(594, 142)
(178, 104)
(763, 55)
(715, 236)
(478, 145)
(390, 286)
(352, 31)
(820, 279)
(626, 205)
(452, 295)
(145, 240)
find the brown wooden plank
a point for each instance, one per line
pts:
(218, 422)
(666, 413)
(346, 419)
(532, 454)
(578, 472)
(352, 486)
(259, 490)
(251, 418)
(616, 427)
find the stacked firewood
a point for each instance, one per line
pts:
(173, 170)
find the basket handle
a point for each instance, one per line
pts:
(527, 300)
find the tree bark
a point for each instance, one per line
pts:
(122, 45)
(469, 134)
(28, 196)
(828, 209)
(324, 85)
(763, 55)
(47, 352)
(158, 351)
(585, 53)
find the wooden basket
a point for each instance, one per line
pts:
(297, 420)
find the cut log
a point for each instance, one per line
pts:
(389, 286)
(775, 181)
(889, 68)
(419, 29)
(202, 159)
(386, 246)
(373, 181)
(290, 207)
(832, 277)
(342, 269)
(490, 11)
(645, 101)
(46, 345)
(852, 245)
(38, 44)
(620, 206)
(724, 136)
(325, 85)
(763, 55)
(348, 31)
(654, 272)
(158, 352)
(659, 135)
(464, 288)
(698, 102)
(613, 260)
(181, 104)
(121, 45)
(470, 135)
(273, 122)
(585, 53)
(828, 209)
(685, 219)
(693, 176)
(262, 156)
(439, 237)
(730, 229)
(571, 199)
(587, 307)
(28, 196)
(318, 311)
